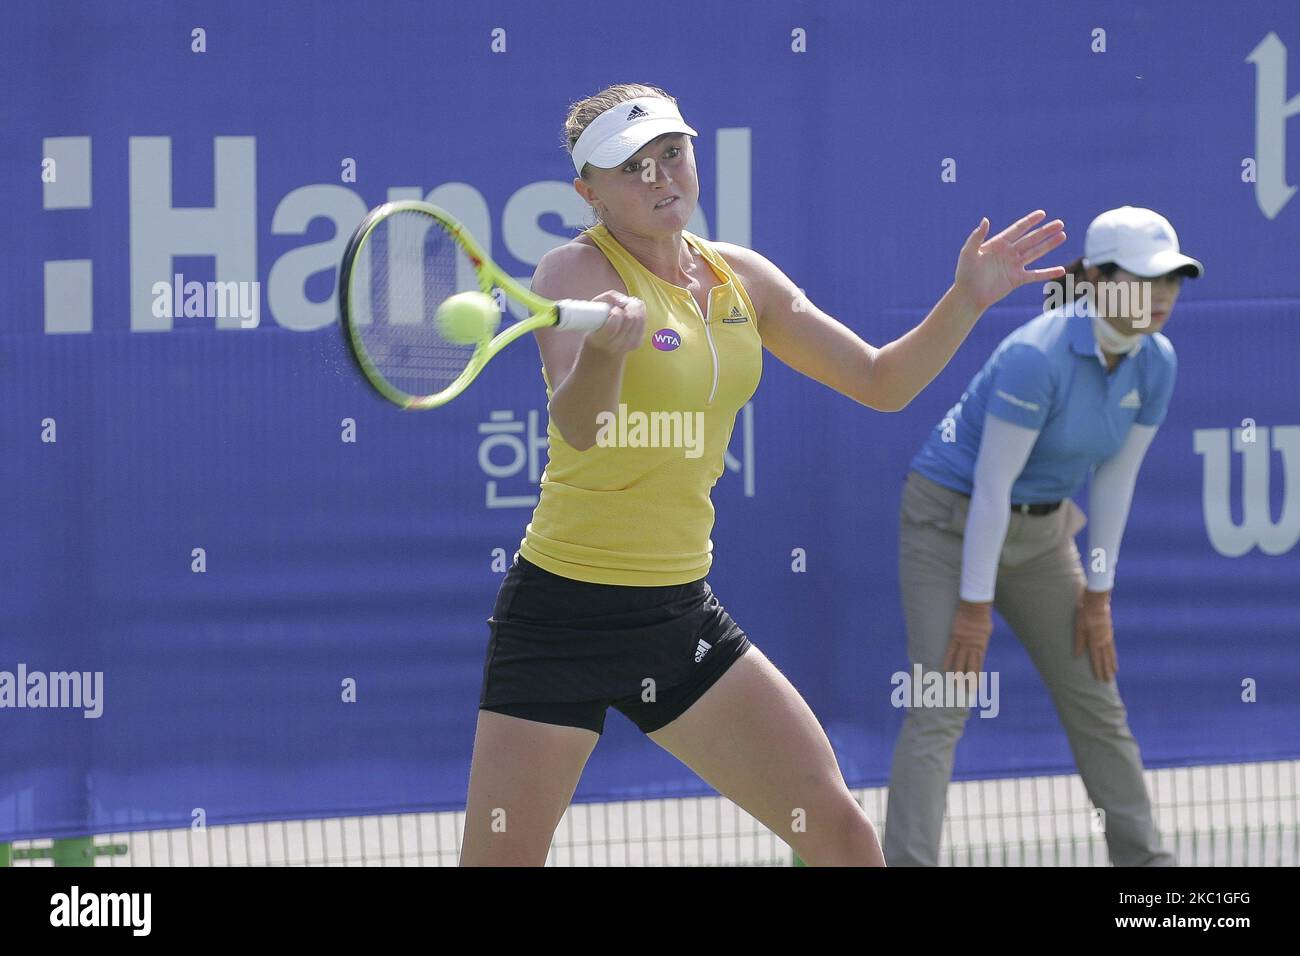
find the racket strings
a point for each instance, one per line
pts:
(409, 265)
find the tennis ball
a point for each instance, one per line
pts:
(468, 317)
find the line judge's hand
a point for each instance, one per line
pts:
(989, 269)
(971, 627)
(624, 330)
(1094, 630)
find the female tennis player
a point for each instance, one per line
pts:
(607, 602)
(987, 520)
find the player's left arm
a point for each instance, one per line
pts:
(806, 338)
(888, 378)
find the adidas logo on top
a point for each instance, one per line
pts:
(637, 112)
(701, 649)
(736, 316)
(1131, 400)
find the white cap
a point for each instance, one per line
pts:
(616, 134)
(1140, 241)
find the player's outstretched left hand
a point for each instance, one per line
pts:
(989, 269)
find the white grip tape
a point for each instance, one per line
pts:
(579, 316)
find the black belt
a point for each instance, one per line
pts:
(1046, 508)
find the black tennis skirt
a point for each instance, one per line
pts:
(563, 651)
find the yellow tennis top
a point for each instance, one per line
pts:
(634, 509)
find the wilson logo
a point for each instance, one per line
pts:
(665, 340)
(1255, 444)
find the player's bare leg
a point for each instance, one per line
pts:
(754, 739)
(521, 779)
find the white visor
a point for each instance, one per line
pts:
(616, 134)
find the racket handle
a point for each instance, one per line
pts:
(577, 315)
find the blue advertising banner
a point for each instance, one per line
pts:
(265, 588)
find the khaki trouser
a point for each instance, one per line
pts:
(1039, 576)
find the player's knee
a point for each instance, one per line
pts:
(846, 837)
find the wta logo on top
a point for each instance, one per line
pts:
(301, 284)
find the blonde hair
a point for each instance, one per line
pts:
(584, 111)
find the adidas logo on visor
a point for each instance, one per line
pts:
(637, 112)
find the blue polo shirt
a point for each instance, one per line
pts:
(1050, 375)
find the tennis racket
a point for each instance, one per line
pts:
(403, 261)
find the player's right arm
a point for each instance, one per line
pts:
(585, 370)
